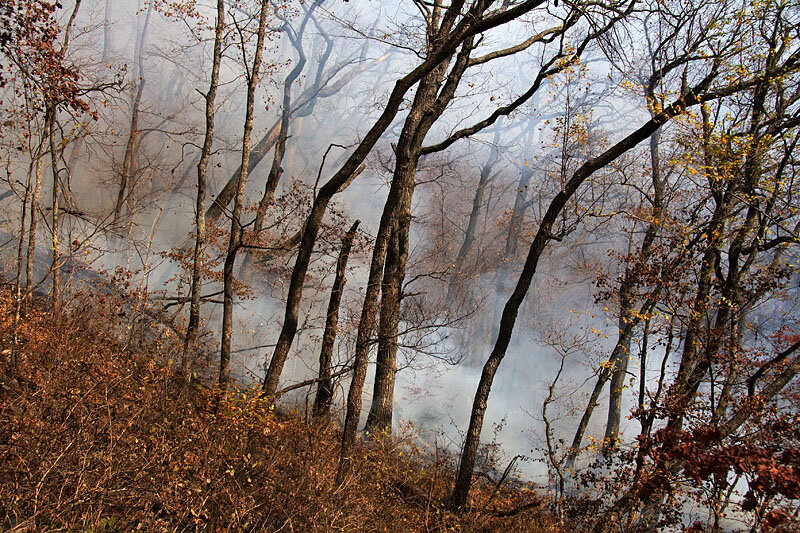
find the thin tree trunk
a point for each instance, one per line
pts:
(324, 396)
(55, 266)
(107, 32)
(18, 278)
(236, 227)
(200, 209)
(477, 205)
(30, 257)
(514, 228)
(128, 160)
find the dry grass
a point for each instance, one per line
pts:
(94, 437)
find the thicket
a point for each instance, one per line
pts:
(99, 433)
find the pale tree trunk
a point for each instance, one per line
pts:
(514, 228)
(129, 158)
(55, 220)
(236, 226)
(324, 396)
(107, 44)
(30, 258)
(472, 222)
(18, 278)
(200, 208)
(620, 365)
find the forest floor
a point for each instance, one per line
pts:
(99, 433)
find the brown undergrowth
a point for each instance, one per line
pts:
(97, 433)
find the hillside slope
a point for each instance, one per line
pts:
(99, 436)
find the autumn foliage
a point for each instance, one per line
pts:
(97, 437)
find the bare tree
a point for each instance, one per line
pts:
(252, 72)
(200, 209)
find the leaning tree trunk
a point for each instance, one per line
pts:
(324, 396)
(540, 241)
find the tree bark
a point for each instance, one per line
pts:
(234, 240)
(324, 396)
(379, 418)
(200, 209)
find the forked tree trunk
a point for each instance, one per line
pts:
(324, 396)
(200, 208)
(276, 171)
(428, 105)
(451, 40)
(234, 240)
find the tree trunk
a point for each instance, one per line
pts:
(514, 228)
(55, 266)
(107, 45)
(234, 240)
(200, 209)
(30, 257)
(380, 413)
(128, 160)
(324, 396)
(511, 309)
(469, 234)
